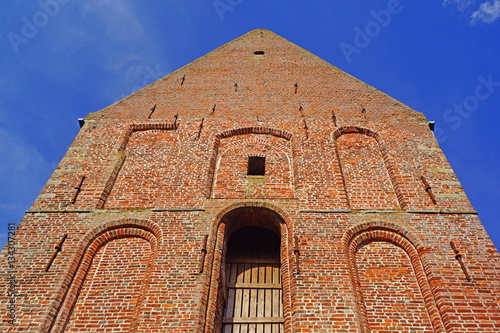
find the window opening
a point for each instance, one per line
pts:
(256, 166)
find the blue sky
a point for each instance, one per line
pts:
(63, 59)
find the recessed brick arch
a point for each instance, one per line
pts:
(278, 146)
(389, 164)
(144, 127)
(223, 226)
(255, 130)
(257, 204)
(89, 246)
(141, 129)
(384, 225)
(355, 129)
(364, 234)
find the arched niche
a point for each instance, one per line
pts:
(229, 173)
(390, 283)
(108, 279)
(146, 176)
(368, 172)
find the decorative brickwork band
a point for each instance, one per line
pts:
(362, 236)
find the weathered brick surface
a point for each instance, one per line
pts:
(363, 246)
(110, 294)
(363, 168)
(391, 294)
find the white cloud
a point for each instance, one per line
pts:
(461, 5)
(119, 17)
(488, 12)
(23, 171)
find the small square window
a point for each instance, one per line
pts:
(256, 166)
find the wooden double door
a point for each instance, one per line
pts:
(253, 283)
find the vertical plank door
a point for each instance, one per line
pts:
(254, 294)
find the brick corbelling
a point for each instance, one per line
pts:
(59, 312)
(359, 235)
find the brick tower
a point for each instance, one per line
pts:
(257, 189)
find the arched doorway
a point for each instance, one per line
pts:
(251, 240)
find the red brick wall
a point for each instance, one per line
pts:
(231, 179)
(391, 295)
(147, 174)
(109, 296)
(367, 179)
